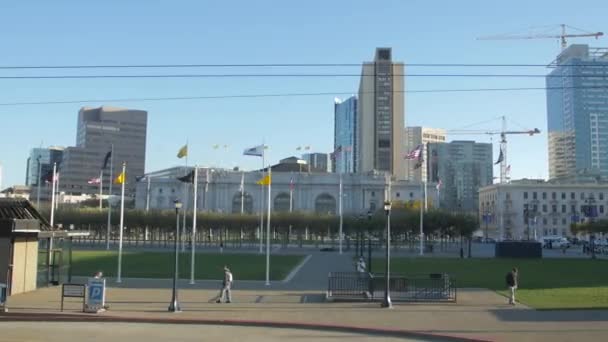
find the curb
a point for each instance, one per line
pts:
(388, 332)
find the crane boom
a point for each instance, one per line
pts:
(562, 36)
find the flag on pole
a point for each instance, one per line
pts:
(257, 151)
(299, 148)
(415, 153)
(292, 185)
(501, 157)
(121, 178)
(106, 159)
(189, 178)
(508, 169)
(183, 152)
(266, 180)
(140, 178)
(242, 187)
(94, 180)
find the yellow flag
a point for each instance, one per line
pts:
(121, 178)
(264, 181)
(183, 151)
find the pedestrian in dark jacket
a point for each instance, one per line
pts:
(512, 281)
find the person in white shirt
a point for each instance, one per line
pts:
(361, 265)
(225, 295)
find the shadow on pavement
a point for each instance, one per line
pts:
(514, 315)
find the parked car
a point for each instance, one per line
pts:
(555, 242)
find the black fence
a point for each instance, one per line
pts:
(435, 287)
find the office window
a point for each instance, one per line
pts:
(582, 195)
(544, 195)
(563, 208)
(411, 195)
(525, 195)
(553, 195)
(534, 196)
(601, 196)
(601, 209)
(554, 208)
(544, 208)
(545, 221)
(572, 196)
(554, 221)
(563, 221)
(563, 195)
(373, 193)
(573, 208)
(398, 195)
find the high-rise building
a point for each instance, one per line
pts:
(462, 167)
(380, 116)
(414, 137)
(100, 130)
(42, 159)
(317, 162)
(345, 126)
(577, 112)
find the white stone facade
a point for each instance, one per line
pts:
(552, 207)
(311, 192)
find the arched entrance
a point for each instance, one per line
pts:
(325, 204)
(281, 202)
(248, 203)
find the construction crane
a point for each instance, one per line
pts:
(502, 157)
(562, 37)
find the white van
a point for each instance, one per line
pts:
(555, 242)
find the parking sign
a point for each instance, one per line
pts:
(96, 294)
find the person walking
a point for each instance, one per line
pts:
(225, 295)
(512, 281)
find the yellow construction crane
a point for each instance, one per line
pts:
(502, 157)
(561, 36)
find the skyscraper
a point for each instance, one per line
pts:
(345, 126)
(41, 159)
(462, 167)
(577, 112)
(317, 162)
(380, 116)
(415, 136)
(100, 129)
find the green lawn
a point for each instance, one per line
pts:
(544, 283)
(160, 265)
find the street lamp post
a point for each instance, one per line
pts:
(386, 303)
(174, 306)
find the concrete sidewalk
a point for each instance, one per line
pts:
(479, 314)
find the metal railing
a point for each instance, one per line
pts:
(434, 287)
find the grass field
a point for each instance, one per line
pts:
(543, 283)
(160, 265)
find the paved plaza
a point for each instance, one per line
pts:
(297, 306)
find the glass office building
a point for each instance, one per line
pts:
(345, 126)
(577, 112)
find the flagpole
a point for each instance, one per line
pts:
(242, 192)
(110, 195)
(185, 201)
(422, 218)
(260, 230)
(268, 228)
(101, 189)
(53, 195)
(341, 218)
(194, 212)
(57, 191)
(122, 221)
(148, 195)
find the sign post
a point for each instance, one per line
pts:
(96, 295)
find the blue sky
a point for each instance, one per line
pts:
(264, 31)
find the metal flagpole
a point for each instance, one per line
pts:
(39, 178)
(341, 219)
(194, 212)
(242, 192)
(185, 203)
(57, 191)
(101, 189)
(423, 193)
(148, 194)
(268, 228)
(122, 221)
(110, 195)
(53, 195)
(261, 233)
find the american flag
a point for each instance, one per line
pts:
(415, 153)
